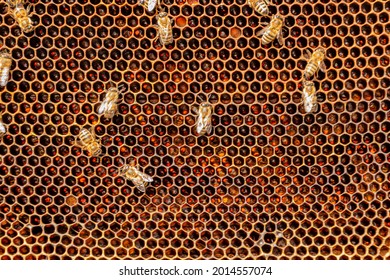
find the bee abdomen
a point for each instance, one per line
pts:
(311, 68)
(85, 136)
(268, 37)
(261, 8)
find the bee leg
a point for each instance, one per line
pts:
(209, 129)
(14, 18)
(157, 34)
(28, 9)
(322, 67)
(97, 153)
(201, 99)
(316, 74)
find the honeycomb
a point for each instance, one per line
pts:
(269, 182)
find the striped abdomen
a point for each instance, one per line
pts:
(166, 36)
(262, 8)
(86, 137)
(268, 36)
(311, 69)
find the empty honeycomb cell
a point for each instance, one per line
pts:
(269, 182)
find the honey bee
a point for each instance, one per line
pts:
(164, 28)
(315, 62)
(150, 5)
(109, 106)
(260, 6)
(87, 141)
(21, 15)
(5, 65)
(203, 122)
(131, 172)
(309, 97)
(272, 30)
(3, 128)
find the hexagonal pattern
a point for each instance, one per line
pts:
(270, 182)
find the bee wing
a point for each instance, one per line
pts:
(112, 109)
(141, 187)
(199, 125)
(262, 31)
(315, 107)
(208, 125)
(203, 123)
(147, 178)
(280, 37)
(2, 128)
(195, 110)
(151, 5)
(164, 35)
(322, 66)
(307, 54)
(102, 107)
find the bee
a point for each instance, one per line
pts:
(21, 15)
(87, 141)
(131, 172)
(272, 30)
(260, 6)
(5, 65)
(309, 97)
(203, 122)
(3, 127)
(164, 28)
(315, 62)
(109, 106)
(150, 5)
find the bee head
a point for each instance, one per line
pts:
(319, 53)
(308, 83)
(162, 13)
(278, 19)
(5, 54)
(112, 92)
